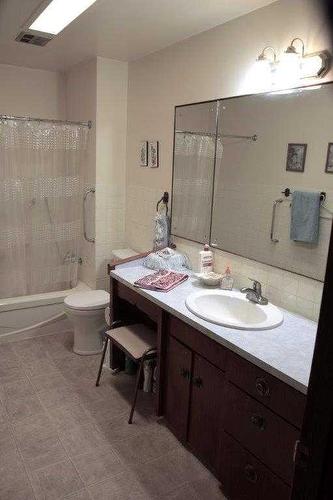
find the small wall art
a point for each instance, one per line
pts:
(144, 154)
(296, 157)
(329, 159)
(153, 154)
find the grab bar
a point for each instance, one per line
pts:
(88, 191)
(276, 202)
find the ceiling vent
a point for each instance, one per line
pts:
(33, 38)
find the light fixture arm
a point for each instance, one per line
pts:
(297, 39)
(262, 56)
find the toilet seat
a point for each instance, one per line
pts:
(88, 301)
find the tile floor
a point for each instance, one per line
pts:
(63, 438)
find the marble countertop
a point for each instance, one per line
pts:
(285, 352)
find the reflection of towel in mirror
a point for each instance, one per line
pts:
(161, 231)
(305, 214)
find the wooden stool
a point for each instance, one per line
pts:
(138, 342)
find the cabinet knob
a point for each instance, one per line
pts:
(250, 473)
(185, 373)
(197, 381)
(262, 387)
(258, 421)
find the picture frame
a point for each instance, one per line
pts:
(329, 159)
(144, 154)
(153, 154)
(296, 155)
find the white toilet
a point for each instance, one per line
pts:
(86, 312)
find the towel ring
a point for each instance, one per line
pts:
(165, 200)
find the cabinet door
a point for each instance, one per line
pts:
(178, 377)
(205, 420)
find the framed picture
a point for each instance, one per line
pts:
(329, 159)
(296, 157)
(144, 154)
(153, 154)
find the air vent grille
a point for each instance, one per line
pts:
(33, 38)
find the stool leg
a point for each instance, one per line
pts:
(130, 420)
(102, 361)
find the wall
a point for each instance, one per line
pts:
(81, 105)
(97, 90)
(111, 125)
(217, 63)
(31, 92)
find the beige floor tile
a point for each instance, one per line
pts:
(158, 477)
(62, 395)
(65, 417)
(81, 439)
(121, 487)
(98, 465)
(21, 408)
(56, 481)
(149, 445)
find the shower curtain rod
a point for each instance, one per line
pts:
(210, 134)
(45, 120)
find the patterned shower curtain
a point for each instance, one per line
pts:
(40, 205)
(194, 159)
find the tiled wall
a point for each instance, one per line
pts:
(288, 290)
(111, 123)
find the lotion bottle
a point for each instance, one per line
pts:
(227, 281)
(205, 260)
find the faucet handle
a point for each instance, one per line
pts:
(256, 285)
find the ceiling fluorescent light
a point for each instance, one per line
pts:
(58, 14)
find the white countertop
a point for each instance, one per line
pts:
(285, 352)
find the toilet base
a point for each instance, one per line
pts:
(88, 326)
(87, 353)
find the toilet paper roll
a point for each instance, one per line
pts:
(107, 316)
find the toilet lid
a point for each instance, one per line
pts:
(94, 299)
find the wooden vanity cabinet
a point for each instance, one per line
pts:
(193, 402)
(240, 420)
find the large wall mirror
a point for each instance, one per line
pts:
(233, 161)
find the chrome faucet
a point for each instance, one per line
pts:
(254, 294)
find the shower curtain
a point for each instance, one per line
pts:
(40, 205)
(194, 159)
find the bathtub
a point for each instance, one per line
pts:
(35, 314)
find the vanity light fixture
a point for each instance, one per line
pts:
(294, 64)
(265, 66)
(58, 14)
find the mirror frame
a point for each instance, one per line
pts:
(268, 92)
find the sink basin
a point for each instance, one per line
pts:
(233, 310)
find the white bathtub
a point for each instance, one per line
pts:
(22, 313)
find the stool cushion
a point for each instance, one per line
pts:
(135, 339)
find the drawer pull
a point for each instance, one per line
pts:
(262, 387)
(258, 421)
(185, 373)
(197, 381)
(250, 473)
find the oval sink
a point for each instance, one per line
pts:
(233, 309)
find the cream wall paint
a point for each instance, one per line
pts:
(111, 125)
(31, 92)
(81, 105)
(97, 91)
(217, 63)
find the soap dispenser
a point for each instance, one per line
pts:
(227, 281)
(205, 260)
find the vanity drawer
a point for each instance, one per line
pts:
(198, 342)
(245, 478)
(269, 437)
(134, 298)
(269, 390)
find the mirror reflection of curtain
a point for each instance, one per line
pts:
(40, 205)
(192, 187)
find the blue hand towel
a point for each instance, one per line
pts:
(305, 213)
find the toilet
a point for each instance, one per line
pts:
(85, 310)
